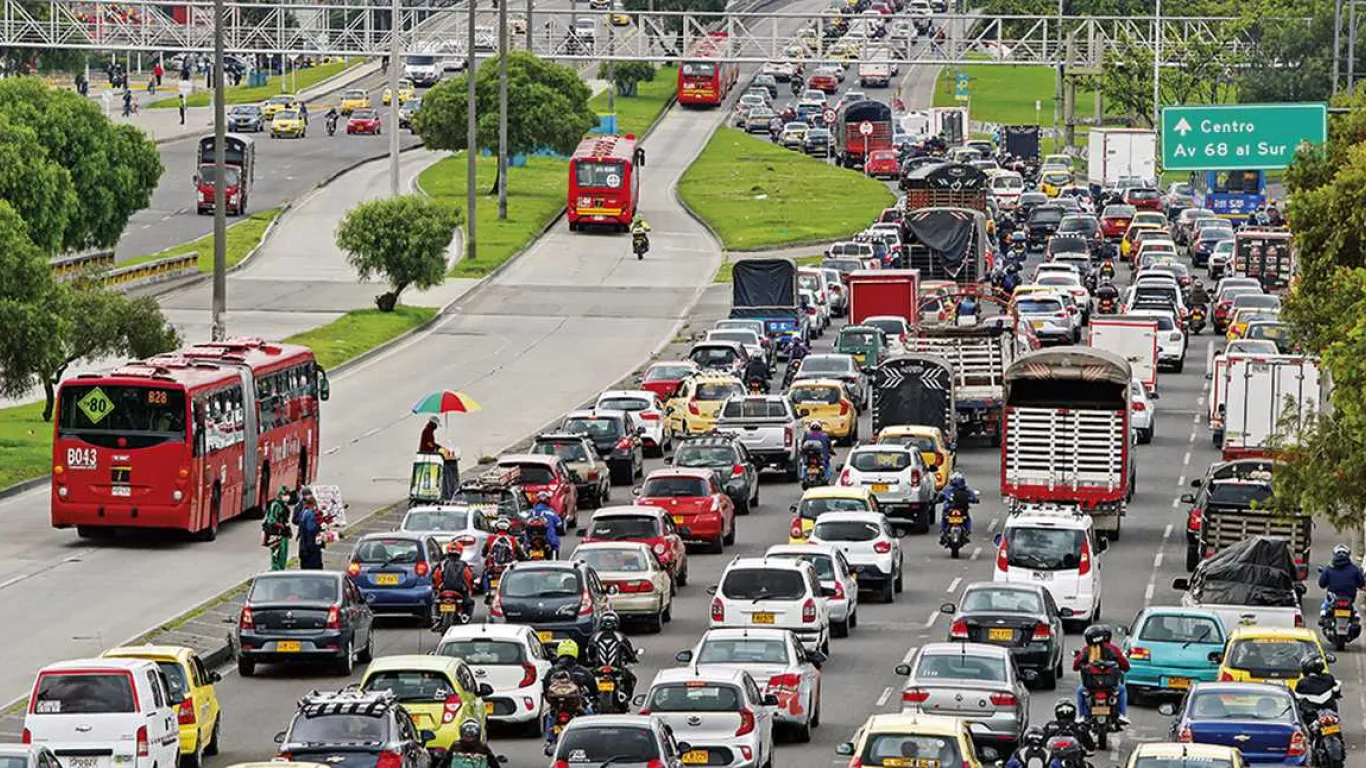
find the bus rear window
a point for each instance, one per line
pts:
(597, 174)
(114, 409)
(698, 69)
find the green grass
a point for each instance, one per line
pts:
(756, 194)
(243, 237)
(242, 94)
(1002, 94)
(726, 273)
(25, 444)
(360, 330)
(637, 113)
(536, 194)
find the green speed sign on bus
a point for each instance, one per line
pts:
(1223, 137)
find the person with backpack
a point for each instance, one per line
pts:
(567, 683)
(453, 574)
(500, 550)
(275, 530)
(957, 496)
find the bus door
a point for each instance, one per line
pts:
(251, 459)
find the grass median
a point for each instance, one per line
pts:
(25, 444)
(242, 94)
(536, 194)
(755, 194)
(1002, 94)
(243, 238)
(726, 273)
(359, 331)
(635, 114)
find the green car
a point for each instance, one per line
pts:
(866, 343)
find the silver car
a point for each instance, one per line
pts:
(779, 664)
(837, 580)
(972, 681)
(447, 522)
(838, 366)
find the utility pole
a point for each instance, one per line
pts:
(1337, 41)
(502, 109)
(1157, 67)
(1351, 45)
(471, 142)
(393, 97)
(219, 329)
(1057, 79)
(612, 73)
(530, 27)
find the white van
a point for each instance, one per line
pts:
(1057, 547)
(99, 713)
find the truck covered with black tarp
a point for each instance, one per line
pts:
(766, 289)
(1252, 583)
(915, 389)
(946, 244)
(1022, 141)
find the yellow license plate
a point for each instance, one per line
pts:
(1180, 683)
(289, 646)
(448, 607)
(386, 579)
(606, 685)
(762, 618)
(488, 707)
(955, 519)
(879, 487)
(1001, 634)
(678, 519)
(695, 757)
(1343, 614)
(1100, 710)
(1330, 730)
(545, 637)
(537, 555)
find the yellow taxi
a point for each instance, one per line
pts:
(1127, 244)
(288, 122)
(1156, 218)
(619, 19)
(827, 498)
(406, 90)
(914, 741)
(694, 407)
(1169, 753)
(826, 400)
(276, 103)
(1269, 654)
(438, 692)
(934, 449)
(1237, 324)
(192, 692)
(1052, 182)
(353, 99)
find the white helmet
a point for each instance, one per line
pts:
(817, 425)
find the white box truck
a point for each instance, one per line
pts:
(950, 122)
(1117, 153)
(1263, 394)
(1132, 338)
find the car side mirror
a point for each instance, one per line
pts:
(214, 677)
(549, 750)
(636, 491)
(1066, 613)
(816, 657)
(280, 737)
(485, 690)
(1187, 498)
(948, 608)
(770, 700)
(1167, 708)
(902, 669)
(683, 657)
(1102, 544)
(1181, 584)
(612, 589)
(1216, 657)
(668, 460)
(845, 750)
(1156, 396)
(685, 531)
(427, 735)
(639, 701)
(1331, 658)
(996, 539)
(1197, 482)
(792, 509)
(711, 590)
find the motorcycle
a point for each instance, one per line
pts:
(758, 386)
(564, 701)
(1107, 270)
(331, 124)
(1325, 733)
(537, 543)
(1101, 680)
(449, 611)
(640, 243)
(813, 459)
(1067, 752)
(956, 537)
(1107, 305)
(611, 692)
(1341, 624)
(1197, 318)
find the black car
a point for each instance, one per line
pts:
(1028, 202)
(1064, 244)
(1204, 246)
(1043, 221)
(561, 600)
(354, 729)
(1086, 226)
(246, 118)
(1021, 617)
(616, 436)
(308, 616)
(728, 458)
(817, 142)
(494, 498)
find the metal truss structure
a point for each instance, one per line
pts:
(361, 28)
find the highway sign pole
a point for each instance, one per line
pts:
(471, 144)
(1239, 136)
(393, 97)
(502, 109)
(1157, 64)
(219, 328)
(865, 129)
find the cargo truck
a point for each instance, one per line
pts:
(1265, 255)
(946, 244)
(946, 185)
(951, 123)
(980, 356)
(1229, 506)
(1264, 395)
(881, 292)
(1132, 338)
(766, 289)
(915, 390)
(1120, 153)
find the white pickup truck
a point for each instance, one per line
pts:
(768, 427)
(1252, 583)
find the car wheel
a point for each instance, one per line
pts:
(1048, 678)
(246, 667)
(605, 494)
(900, 572)
(667, 615)
(716, 547)
(655, 624)
(729, 540)
(192, 760)
(621, 475)
(1180, 365)
(840, 628)
(802, 733)
(1192, 557)
(887, 592)
(754, 502)
(1145, 435)
(683, 576)
(212, 747)
(790, 474)
(742, 507)
(346, 664)
(367, 654)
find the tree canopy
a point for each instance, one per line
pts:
(403, 239)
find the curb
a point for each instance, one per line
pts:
(24, 485)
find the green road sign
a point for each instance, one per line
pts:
(960, 87)
(1239, 136)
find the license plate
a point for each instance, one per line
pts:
(1180, 683)
(493, 584)
(955, 519)
(879, 487)
(448, 607)
(119, 490)
(1100, 710)
(288, 646)
(1330, 730)
(1001, 634)
(606, 685)
(386, 579)
(678, 519)
(537, 554)
(84, 762)
(695, 757)
(488, 707)
(1043, 575)
(1038, 323)
(1343, 614)
(545, 637)
(761, 618)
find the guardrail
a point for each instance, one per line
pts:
(66, 267)
(148, 272)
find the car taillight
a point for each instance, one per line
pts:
(915, 477)
(26, 737)
(1225, 677)
(737, 471)
(1194, 519)
(1002, 558)
(1185, 735)
(844, 407)
(496, 607)
(649, 416)
(846, 478)
(1084, 562)
(787, 436)
(185, 715)
(636, 586)
(585, 604)
(353, 568)
(389, 759)
(692, 408)
(958, 630)
(718, 610)
(247, 620)
(796, 530)
(1004, 699)
(144, 747)
(839, 591)
(746, 723)
(1139, 406)
(333, 617)
(624, 444)
(1139, 653)
(421, 569)
(560, 764)
(882, 547)
(1041, 632)
(809, 611)
(1299, 620)
(1297, 744)
(915, 695)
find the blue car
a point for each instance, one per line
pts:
(1261, 720)
(1169, 649)
(394, 571)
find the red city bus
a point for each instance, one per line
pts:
(703, 80)
(186, 440)
(604, 187)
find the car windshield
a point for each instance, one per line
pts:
(1238, 494)
(827, 364)
(613, 559)
(1270, 654)
(1236, 705)
(717, 391)
(1256, 301)
(1067, 245)
(881, 461)
(1173, 628)
(83, 693)
(748, 337)
(994, 600)
(674, 487)
(629, 404)
(918, 442)
(550, 582)
(14, 761)
(411, 685)
(1183, 762)
(742, 651)
(889, 326)
(814, 395)
(812, 508)
(894, 750)
(704, 456)
(293, 588)
(355, 95)
(484, 652)
(596, 744)
(1164, 322)
(858, 338)
(763, 584)
(667, 372)
(846, 530)
(208, 175)
(1044, 549)
(824, 564)
(387, 552)
(1055, 279)
(437, 520)
(337, 728)
(567, 451)
(694, 696)
(624, 527)
(960, 666)
(593, 426)
(534, 474)
(1046, 215)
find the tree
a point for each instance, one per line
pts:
(626, 75)
(25, 309)
(38, 189)
(1197, 71)
(547, 108)
(403, 238)
(674, 24)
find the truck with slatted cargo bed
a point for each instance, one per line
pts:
(1230, 504)
(980, 356)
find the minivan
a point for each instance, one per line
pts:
(99, 713)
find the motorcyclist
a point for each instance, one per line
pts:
(1011, 281)
(500, 549)
(1318, 689)
(1273, 214)
(816, 432)
(1032, 747)
(1099, 648)
(1199, 296)
(757, 370)
(967, 308)
(553, 525)
(1107, 269)
(609, 647)
(957, 496)
(332, 117)
(1019, 247)
(471, 742)
(1342, 578)
(1065, 723)
(567, 661)
(1107, 290)
(453, 574)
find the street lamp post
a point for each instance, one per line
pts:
(219, 328)
(471, 144)
(502, 109)
(1157, 66)
(393, 97)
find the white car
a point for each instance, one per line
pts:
(1066, 280)
(748, 338)
(1143, 410)
(510, 658)
(1048, 314)
(719, 711)
(648, 412)
(1006, 187)
(452, 522)
(1058, 548)
(773, 592)
(99, 713)
(896, 328)
(838, 581)
(781, 71)
(777, 661)
(900, 481)
(873, 549)
(1171, 340)
(1219, 258)
(817, 309)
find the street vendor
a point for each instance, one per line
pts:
(276, 531)
(427, 443)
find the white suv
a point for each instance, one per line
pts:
(100, 713)
(773, 592)
(867, 540)
(1057, 547)
(838, 580)
(718, 711)
(899, 480)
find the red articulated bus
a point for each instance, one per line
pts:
(703, 79)
(186, 440)
(604, 183)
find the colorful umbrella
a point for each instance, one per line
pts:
(447, 401)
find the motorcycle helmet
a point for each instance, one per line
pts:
(503, 525)
(455, 548)
(1065, 711)
(470, 731)
(816, 425)
(1034, 736)
(543, 496)
(957, 480)
(1018, 238)
(1097, 634)
(1342, 555)
(567, 648)
(1312, 665)
(609, 622)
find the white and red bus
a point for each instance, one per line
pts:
(703, 79)
(186, 440)
(604, 182)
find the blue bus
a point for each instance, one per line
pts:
(1230, 194)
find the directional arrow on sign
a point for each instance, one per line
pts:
(1182, 127)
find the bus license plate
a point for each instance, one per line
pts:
(1005, 635)
(387, 579)
(120, 490)
(762, 618)
(288, 646)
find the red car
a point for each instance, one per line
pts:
(824, 82)
(696, 503)
(650, 526)
(364, 121)
(546, 472)
(1114, 220)
(663, 379)
(1144, 198)
(883, 164)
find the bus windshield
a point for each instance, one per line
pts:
(94, 410)
(700, 69)
(607, 174)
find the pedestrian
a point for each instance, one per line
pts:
(152, 85)
(208, 77)
(158, 72)
(310, 532)
(127, 102)
(237, 76)
(275, 531)
(82, 85)
(639, 157)
(182, 106)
